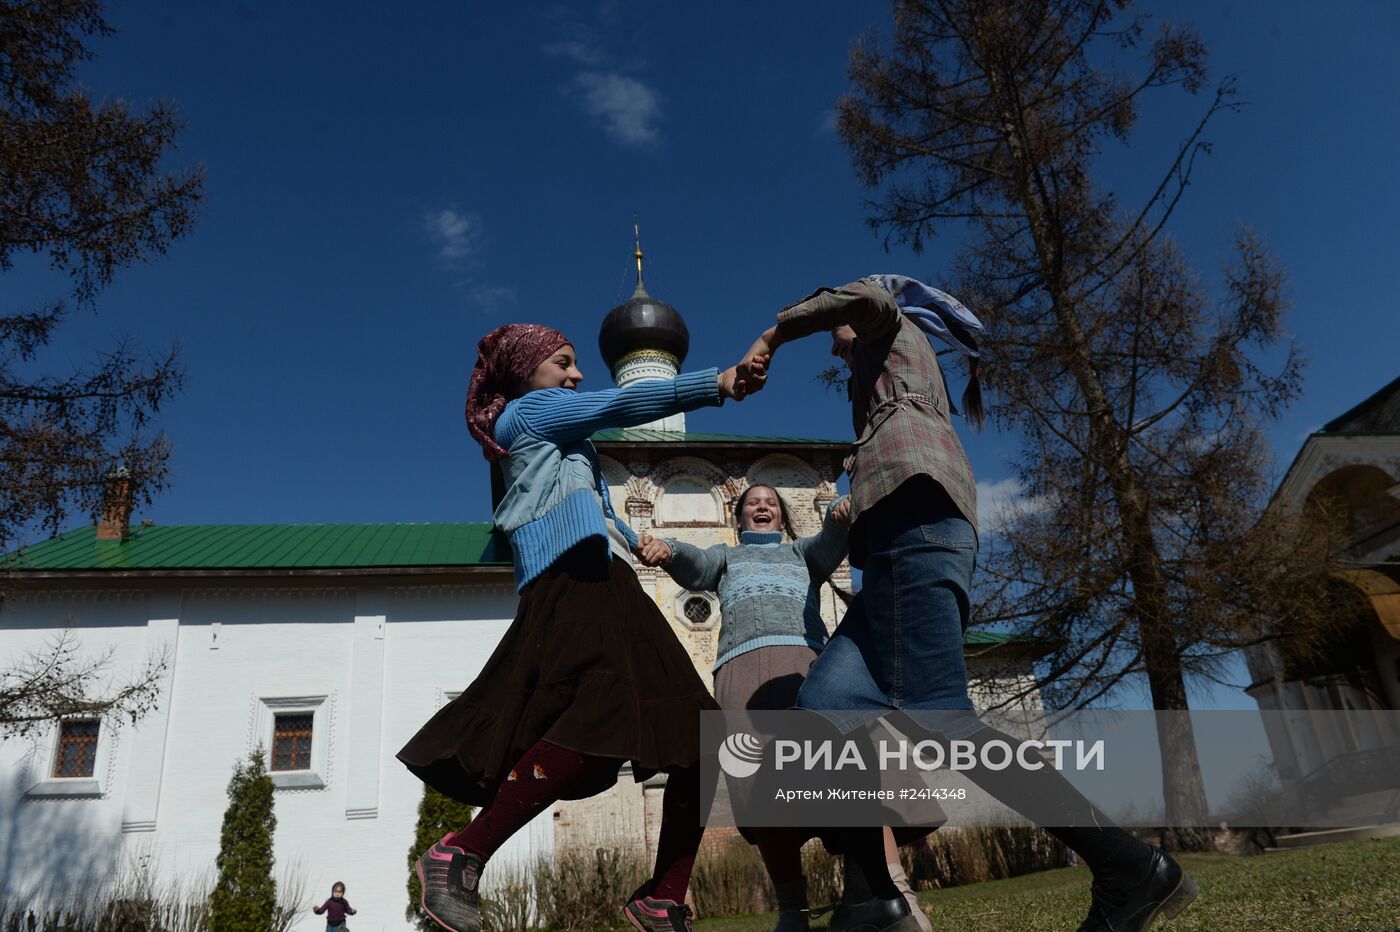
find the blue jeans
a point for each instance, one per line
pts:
(900, 646)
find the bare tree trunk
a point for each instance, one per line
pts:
(1182, 785)
(1183, 789)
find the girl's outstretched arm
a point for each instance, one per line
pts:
(693, 568)
(561, 415)
(824, 550)
(866, 308)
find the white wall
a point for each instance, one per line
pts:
(58, 837)
(378, 661)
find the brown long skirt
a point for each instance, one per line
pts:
(763, 678)
(768, 678)
(589, 664)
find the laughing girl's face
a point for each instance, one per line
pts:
(761, 510)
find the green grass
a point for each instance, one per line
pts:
(1338, 887)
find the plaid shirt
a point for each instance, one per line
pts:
(899, 403)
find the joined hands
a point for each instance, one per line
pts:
(749, 376)
(653, 552)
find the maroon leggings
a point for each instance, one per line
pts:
(546, 773)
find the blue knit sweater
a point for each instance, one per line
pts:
(769, 591)
(556, 496)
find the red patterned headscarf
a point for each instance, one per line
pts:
(505, 357)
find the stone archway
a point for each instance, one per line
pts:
(1368, 496)
(1382, 588)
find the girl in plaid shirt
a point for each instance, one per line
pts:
(914, 534)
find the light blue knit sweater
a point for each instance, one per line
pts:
(556, 496)
(769, 591)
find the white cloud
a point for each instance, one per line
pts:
(828, 125)
(580, 52)
(628, 108)
(490, 298)
(455, 232)
(1000, 501)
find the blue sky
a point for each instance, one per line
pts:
(383, 189)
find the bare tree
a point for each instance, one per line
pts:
(83, 192)
(62, 680)
(1143, 547)
(80, 186)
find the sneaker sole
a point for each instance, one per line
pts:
(423, 897)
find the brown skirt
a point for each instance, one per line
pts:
(589, 664)
(768, 678)
(763, 678)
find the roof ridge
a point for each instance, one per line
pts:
(1360, 407)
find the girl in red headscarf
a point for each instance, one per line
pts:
(589, 676)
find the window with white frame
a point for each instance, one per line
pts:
(294, 732)
(78, 755)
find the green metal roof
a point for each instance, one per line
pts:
(1038, 647)
(196, 547)
(988, 638)
(268, 546)
(646, 435)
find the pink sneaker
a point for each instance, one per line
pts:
(649, 915)
(449, 877)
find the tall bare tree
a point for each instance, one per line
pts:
(1142, 548)
(83, 191)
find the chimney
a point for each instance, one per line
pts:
(116, 506)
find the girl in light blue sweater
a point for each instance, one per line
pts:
(589, 676)
(771, 630)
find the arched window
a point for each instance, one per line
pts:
(687, 502)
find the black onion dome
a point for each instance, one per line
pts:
(643, 323)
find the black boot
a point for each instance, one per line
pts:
(1129, 899)
(878, 914)
(796, 919)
